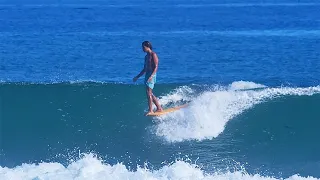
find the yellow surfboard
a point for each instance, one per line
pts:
(165, 111)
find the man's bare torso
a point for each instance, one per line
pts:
(149, 63)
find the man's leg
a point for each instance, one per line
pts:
(154, 98)
(149, 98)
(156, 102)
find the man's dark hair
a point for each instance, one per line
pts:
(147, 44)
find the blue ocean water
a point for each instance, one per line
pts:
(266, 43)
(249, 70)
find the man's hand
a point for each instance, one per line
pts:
(135, 79)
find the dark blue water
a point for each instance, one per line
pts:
(196, 42)
(250, 71)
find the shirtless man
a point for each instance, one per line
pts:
(150, 68)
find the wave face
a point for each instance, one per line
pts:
(243, 130)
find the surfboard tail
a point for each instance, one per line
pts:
(166, 111)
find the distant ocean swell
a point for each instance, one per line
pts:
(248, 33)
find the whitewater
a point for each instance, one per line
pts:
(91, 167)
(209, 112)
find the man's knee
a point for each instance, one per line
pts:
(149, 92)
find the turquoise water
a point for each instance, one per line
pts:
(249, 71)
(242, 127)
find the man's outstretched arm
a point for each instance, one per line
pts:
(140, 74)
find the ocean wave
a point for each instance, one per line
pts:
(90, 167)
(209, 112)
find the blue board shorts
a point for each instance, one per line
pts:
(151, 83)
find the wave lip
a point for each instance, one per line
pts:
(209, 112)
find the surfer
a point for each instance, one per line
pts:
(150, 69)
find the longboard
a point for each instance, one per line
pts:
(165, 111)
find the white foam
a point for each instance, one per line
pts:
(208, 113)
(238, 85)
(91, 168)
(183, 93)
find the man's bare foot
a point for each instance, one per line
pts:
(148, 113)
(159, 110)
